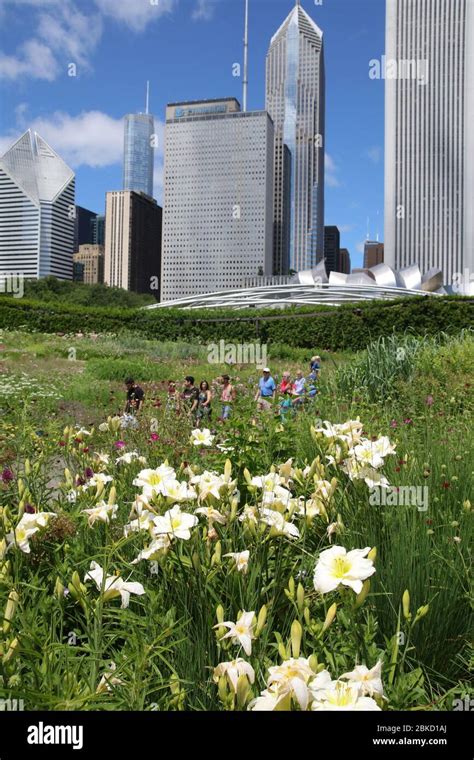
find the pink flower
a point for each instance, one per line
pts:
(408, 421)
(7, 475)
(119, 444)
(154, 437)
(393, 424)
(429, 400)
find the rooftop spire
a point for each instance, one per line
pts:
(147, 106)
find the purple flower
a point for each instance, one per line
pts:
(89, 472)
(7, 475)
(393, 424)
(29, 509)
(429, 400)
(119, 444)
(408, 421)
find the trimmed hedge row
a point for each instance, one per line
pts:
(350, 326)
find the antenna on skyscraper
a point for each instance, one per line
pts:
(377, 236)
(368, 228)
(147, 107)
(246, 49)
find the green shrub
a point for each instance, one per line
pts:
(340, 328)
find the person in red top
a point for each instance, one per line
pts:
(286, 383)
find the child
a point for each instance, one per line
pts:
(286, 405)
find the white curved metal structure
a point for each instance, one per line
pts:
(313, 287)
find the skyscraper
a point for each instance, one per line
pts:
(429, 135)
(373, 253)
(83, 227)
(332, 242)
(343, 263)
(132, 242)
(295, 100)
(37, 210)
(218, 197)
(138, 152)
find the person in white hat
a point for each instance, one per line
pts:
(266, 390)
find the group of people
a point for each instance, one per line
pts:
(292, 393)
(196, 401)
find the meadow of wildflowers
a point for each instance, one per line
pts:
(320, 562)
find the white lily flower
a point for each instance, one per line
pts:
(82, 431)
(208, 484)
(71, 496)
(249, 514)
(241, 632)
(202, 437)
(143, 522)
(337, 567)
(374, 478)
(155, 550)
(292, 677)
(113, 585)
(278, 524)
(153, 482)
(368, 681)
(129, 457)
(175, 523)
(268, 701)
(278, 495)
(212, 515)
(367, 454)
(102, 458)
(178, 491)
(103, 512)
(241, 560)
(35, 520)
(98, 478)
(343, 697)
(20, 537)
(320, 683)
(233, 670)
(267, 482)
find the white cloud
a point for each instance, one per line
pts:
(204, 10)
(136, 14)
(62, 35)
(33, 59)
(345, 227)
(331, 169)
(374, 154)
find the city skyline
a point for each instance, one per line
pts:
(112, 84)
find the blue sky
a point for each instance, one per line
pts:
(186, 48)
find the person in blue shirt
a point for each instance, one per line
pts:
(266, 390)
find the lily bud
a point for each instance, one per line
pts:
(99, 489)
(59, 589)
(300, 597)
(282, 651)
(421, 612)
(307, 616)
(248, 477)
(372, 554)
(313, 663)
(10, 610)
(27, 467)
(227, 470)
(220, 614)
(112, 495)
(331, 614)
(406, 605)
(216, 557)
(21, 487)
(296, 635)
(360, 598)
(243, 689)
(68, 477)
(196, 561)
(291, 587)
(261, 619)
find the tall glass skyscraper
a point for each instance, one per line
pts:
(37, 210)
(429, 135)
(295, 100)
(138, 153)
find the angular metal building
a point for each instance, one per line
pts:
(295, 100)
(37, 210)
